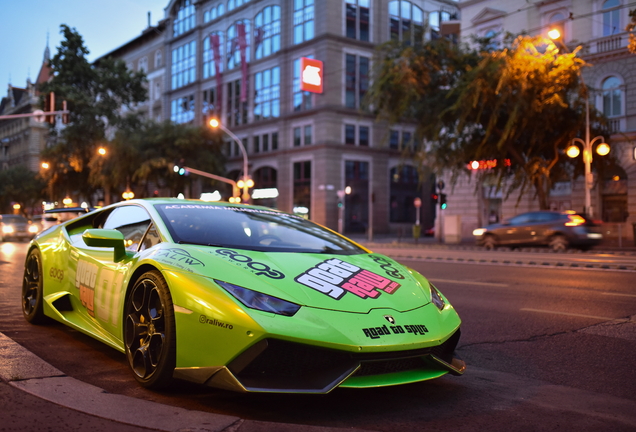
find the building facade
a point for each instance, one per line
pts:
(239, 61)
(598, 28)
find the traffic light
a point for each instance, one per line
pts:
(442, 201)
(49, 106)
(434, 198)
(179, 168)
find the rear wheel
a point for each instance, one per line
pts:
(32, 284)
(490, 243)
(558, 243)
(149, 331)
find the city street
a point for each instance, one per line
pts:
(548, 340)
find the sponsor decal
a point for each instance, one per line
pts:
(56, 273)
(180, 256)
(213, 321)
(258, 268)
(335, 278)
(387, 266)
(378, 332)
(85, 277)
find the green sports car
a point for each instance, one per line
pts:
(239, 297)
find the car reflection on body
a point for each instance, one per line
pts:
(557, 230)
(15, 227)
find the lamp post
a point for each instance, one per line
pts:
(246, 182)
(587, 145)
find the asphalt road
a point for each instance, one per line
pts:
(547, 347)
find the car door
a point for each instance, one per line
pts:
(513, 231)
(99, 279)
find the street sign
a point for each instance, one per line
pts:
(38, 116)
(417, 202)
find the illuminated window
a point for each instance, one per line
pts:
(184, 19)
(182, 109)
(209, 66)
(302, 99)
(303, 20)
(406, 22)
(267, 94)
(233, 50)
(357, 19)
(611, 17)
(267, 32)
(184, 59)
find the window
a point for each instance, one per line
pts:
(267, 32)
(132, 222)
(362, 135)
(404, 182)
(297, 137)
(302, 99)
(611, 17)
(308, 135)
(184, 19)
(142, 66)
(612, 97)
(356, 80)
(302, 188)
(557, 22)
(236, 110)
(267, 94)
(303, 135)
(233, 49)
(209, 66)
(182, 109)
(274, 140)
(257, 143)
(303, 20)
(184, 60)
(357, 19)
(406, 22)
(407, 141)
(265, 143)
(158, 58)
(210, 106)
(394, 139)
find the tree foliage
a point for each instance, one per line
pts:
(522, 104)
(94, 94)
(22, 186)
(631, 27)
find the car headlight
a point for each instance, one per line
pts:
(33, 229)
(260, 301)
(7, 229)
(479, 232)
(436, 297)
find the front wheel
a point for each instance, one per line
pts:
(490, 243)
(149, 331)
(32, 285)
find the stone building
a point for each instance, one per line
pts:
(597, 26)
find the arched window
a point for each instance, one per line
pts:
(184, 18)
(267, 32)
(220, 10)
(209, 66)
(612, 97)
(406, 21)
(557, 22)
(611, 17)
(491, 37)
(232, 44)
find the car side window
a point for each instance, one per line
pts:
(152, 238)
(132, 221)
(520, 220)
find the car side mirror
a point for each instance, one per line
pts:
(106, 238)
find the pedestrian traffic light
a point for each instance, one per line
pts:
(434, 198)
(442, 201)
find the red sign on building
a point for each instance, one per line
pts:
(311, 75)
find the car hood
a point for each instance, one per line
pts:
(351, 283)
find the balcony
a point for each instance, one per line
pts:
(606, 44)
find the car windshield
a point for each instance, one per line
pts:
(250, 228)
(14, 220)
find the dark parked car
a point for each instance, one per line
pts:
(557, 230)
(16, 227)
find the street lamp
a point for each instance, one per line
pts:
(573, 151)
(246, 182)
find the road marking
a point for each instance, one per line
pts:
(468, 282)
(618, 294)
(569, 314)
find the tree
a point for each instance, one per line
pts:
(22, 186)
(94, 94)
(522, 104)
(631, 27)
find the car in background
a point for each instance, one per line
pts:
(56, 216)
(16, 227)
(557, 230)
